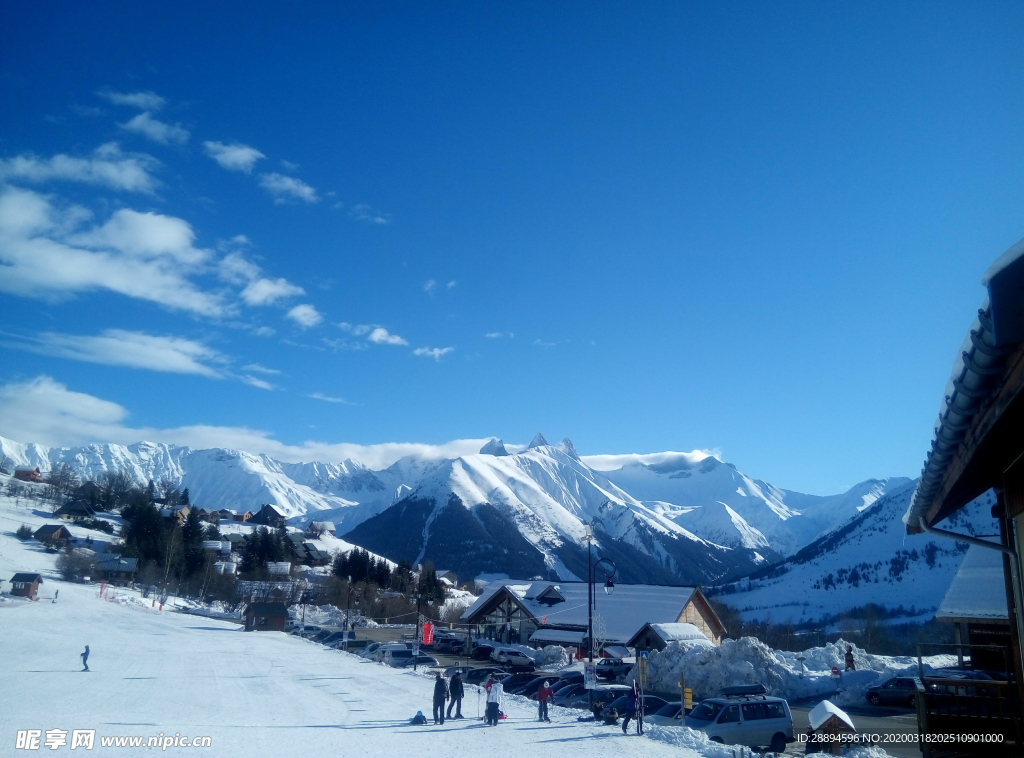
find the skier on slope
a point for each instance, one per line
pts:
(493, 702)
(544, 694)
(457, 692)
(85, 658)
(440, 695)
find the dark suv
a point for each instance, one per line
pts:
(898, 691)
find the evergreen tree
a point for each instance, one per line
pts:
(192, 533)
(184, 497)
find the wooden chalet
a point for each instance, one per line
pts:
(269, 516)
(53, 535)
(28, 474)
(24, 584)
(265, 617)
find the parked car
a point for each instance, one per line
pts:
(513, 658)
(479, 676)
(670, 715)
(397, 657)
(482, 652)
(514, 680)
(897, 691)
(416, 660)
(612, 668)
(530, 688)
(370, 650)
(565, 695)
(608, 693)
(446, 644)
(753, 720)
(651, 703)
(381, 652)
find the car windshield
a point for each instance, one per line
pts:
(706, 711)
(671, 710)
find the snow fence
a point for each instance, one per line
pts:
(706, 670)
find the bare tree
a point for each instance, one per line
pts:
(316, 529)
(168, 490)
(115, 487)
(62, 478)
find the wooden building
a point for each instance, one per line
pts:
(657, 636)
(116, 570)
(53, 535)
(269, 516)
(543, 610)
(265, 617)
(978, 445)
(28, 474)
(25, 584)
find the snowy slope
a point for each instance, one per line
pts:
(869, 560)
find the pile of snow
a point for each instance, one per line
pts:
(327, 615)
(706, 670)
(690, 739)
(552, 657)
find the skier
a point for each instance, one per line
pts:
(55, 595)
(456, 691)
(85, 658)
(850, 665)
(544, 694)
(493, 702)
(440, 695)
(630, 711)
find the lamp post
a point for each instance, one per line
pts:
(609, 587)
(348, 610)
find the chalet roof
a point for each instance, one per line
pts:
(563, 636)
(826, 710)
(267, 609)
(117, 563)
(48, 530)
(675, 632)
(978, 591)
(27, 577)
(621, 612)
(962, 463)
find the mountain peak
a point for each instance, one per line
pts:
(569, 448)
(494, 447)
(539, 441)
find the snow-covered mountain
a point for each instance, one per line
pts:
(526, 515)
(869, 559)
(688, 516)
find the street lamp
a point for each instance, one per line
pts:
(609, 588)
(348, 610)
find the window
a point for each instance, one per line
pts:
(706, 711)
(774, 711)
(754, 712)
(730, 715)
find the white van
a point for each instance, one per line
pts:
(380, 654)
(397, 656)
(745, 716)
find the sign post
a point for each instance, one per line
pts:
(589, 675)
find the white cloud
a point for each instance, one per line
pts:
(451, 284)
(267, 291)
(329, 398)
(305, 315)
(614, 462)
(429, 286)
(288, 188)
(264, 331)
(146, 256)
(381, 336)
(365, 212)
(47, 412)
(156, 130)
(120, 347)
(499, 335)
(108, 167)
(235, 268)
(258, 383)
(256, 368)
(233, 157)
(437, 353)
(145, 101)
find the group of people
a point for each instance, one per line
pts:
(453, 691)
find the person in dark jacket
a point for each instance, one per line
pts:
(85, 658)
(850, 665)
(440, 695)
(456, 693)
(419, 719)
(629, 712)
(544, 695)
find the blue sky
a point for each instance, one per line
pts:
(751, 228)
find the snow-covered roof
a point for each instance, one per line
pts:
(978, 590)
(825, 710)
(682, 632)
(558, 635)
(621, 613)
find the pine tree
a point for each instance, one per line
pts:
(184, 497)
(192, 543)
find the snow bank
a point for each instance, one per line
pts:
(552, 657)
(749, 661)
(690, 739)
(328, 615)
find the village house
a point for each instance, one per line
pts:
(269, 516)
(320, 528)
(657, 636)
(28, 474)
(243, 517)
(448, 577)
(116, 570)
(545, 612)
(265, 617)
(53, 535)
(75, 510)
(975, 604)
(177, 513)
(25, 585)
